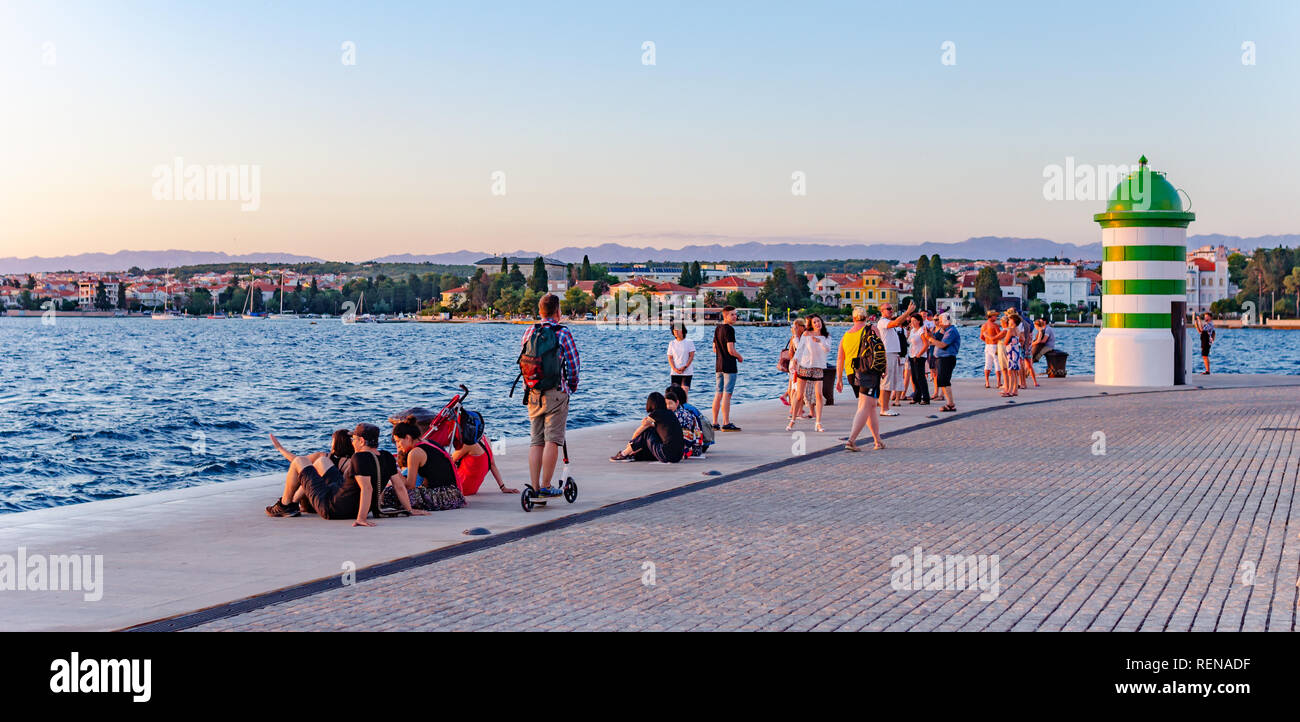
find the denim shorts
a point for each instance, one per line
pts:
(725, 384)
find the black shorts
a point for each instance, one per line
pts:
(943, 376)
(869, 384)
(1205, 346)
(682, 381)
(324, 493)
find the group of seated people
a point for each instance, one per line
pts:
(672, 430)
(356, 478)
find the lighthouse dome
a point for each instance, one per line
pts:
(1145, 197)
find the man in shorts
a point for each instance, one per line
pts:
(548, 410)
(892, 381)
(989, 333)
(725, 369)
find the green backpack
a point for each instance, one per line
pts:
(539, 360)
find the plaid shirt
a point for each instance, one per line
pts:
(568, 354)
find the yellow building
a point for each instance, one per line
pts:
(869, 290)
(454, 297)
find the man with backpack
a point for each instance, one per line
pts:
(892, 335)
(862, 359)
(548, 364)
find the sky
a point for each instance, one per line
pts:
(503, 126)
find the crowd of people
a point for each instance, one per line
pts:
(899, 358)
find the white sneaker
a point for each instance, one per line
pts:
(891, 412)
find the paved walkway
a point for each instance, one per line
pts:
(1184, 523)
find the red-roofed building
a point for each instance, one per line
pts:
(723, 287)
(1207, 278)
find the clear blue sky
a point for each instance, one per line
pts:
(396, 153)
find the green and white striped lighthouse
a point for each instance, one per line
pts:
(1144, 270)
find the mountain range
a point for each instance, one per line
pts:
(983, 247)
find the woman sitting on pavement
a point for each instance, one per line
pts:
(472, 462)
(692, 435)
(430, 477)
(659, 437)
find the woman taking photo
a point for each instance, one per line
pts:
(811, 351)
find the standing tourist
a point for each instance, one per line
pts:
(946, 340)
(918, 347)
(810, 360)
(989, 334)
(893, 379)
(681, 357)
(849, 351)
(1009, 354)
(549, 363)
(863, 340)
(786, 362)
(725, 367)
(1206, 327)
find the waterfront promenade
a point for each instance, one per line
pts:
(1195, 488)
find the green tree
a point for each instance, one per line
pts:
(921, 282)
(517, 277)
(101, 296)
(199, 302)
(987, 290)
(1292, 284)
(1036, 286)
(538, 283)
(577, 302)
(938, 279)
(1236, 269)
(738, 299)
(585, 273)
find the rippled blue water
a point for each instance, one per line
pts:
(102, 408)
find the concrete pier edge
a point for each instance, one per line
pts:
(195, 618)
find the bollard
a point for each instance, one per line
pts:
(1178, 326)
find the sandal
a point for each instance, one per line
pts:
(819, 427)
(879, 445)
(851, 447)
(790, 426)
(948, 408)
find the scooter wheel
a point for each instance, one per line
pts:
(526, 498)
(570, 490)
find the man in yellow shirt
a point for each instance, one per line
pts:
(865, 386)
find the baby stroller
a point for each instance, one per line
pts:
(443, 424)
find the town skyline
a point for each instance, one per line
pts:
(438, 128)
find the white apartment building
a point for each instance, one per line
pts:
(1063, 284)
(1207, 278)
(86, 291)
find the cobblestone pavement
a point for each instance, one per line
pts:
(1184, 523)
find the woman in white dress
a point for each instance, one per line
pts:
(811, 352)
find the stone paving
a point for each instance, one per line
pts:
(1183, 523)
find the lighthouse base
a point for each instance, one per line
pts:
(1134, 357)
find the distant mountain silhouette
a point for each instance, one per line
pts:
(984, 247)
(123, 260)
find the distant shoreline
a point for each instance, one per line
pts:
(1285, 324)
